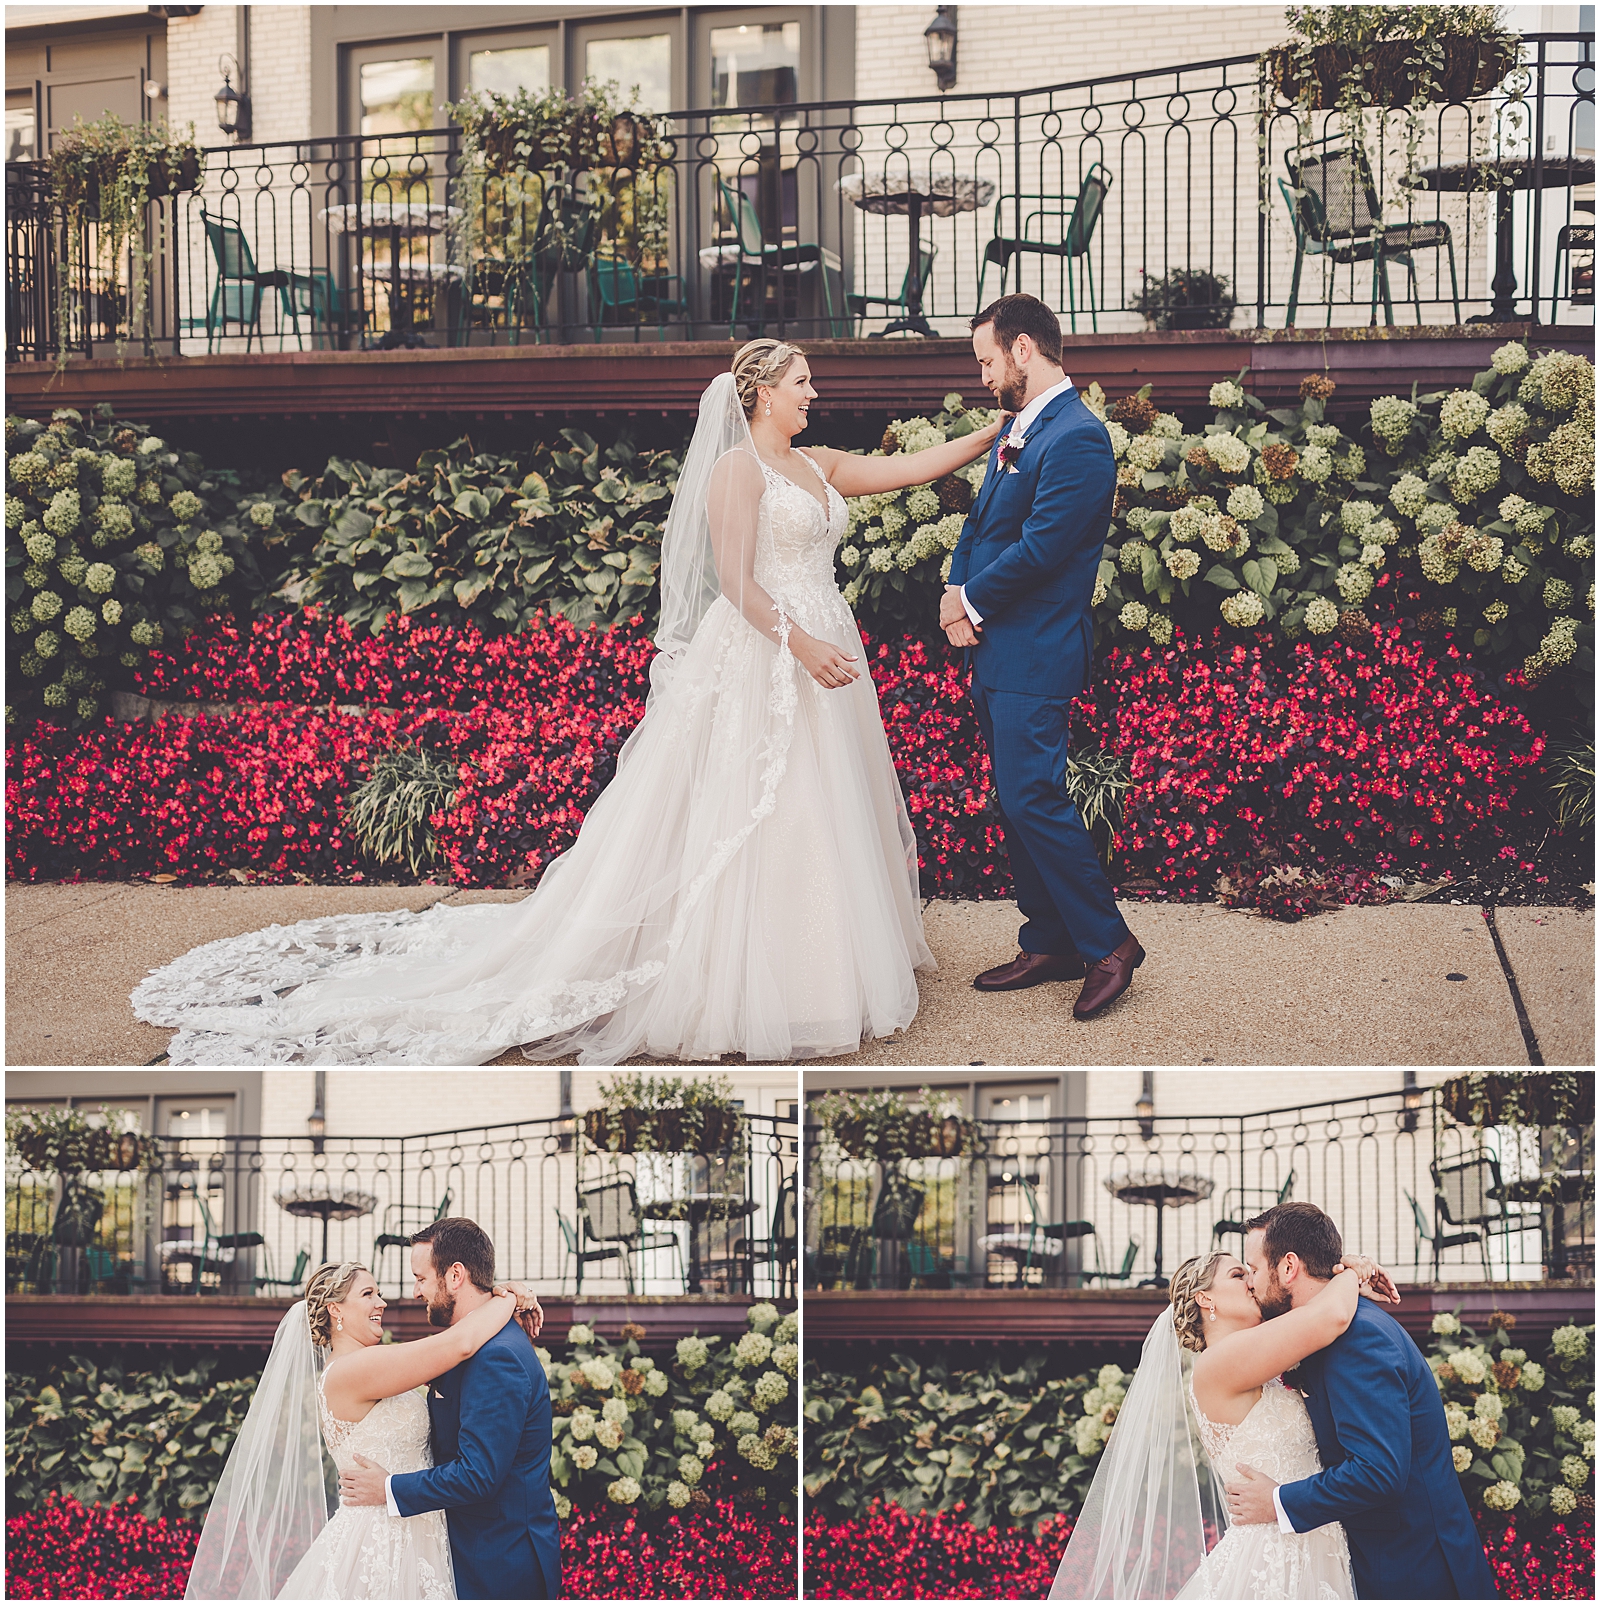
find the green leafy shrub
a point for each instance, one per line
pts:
(1005, 1446)
(102, 1433)
(486, 539)
(1522, 1431)
(896, 552)
(721, 1420)
(115, 543)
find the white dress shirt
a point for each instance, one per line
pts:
(1020, 425)
(1284, 1524)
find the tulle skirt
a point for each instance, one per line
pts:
(1260, 1561)
(746, 884)
(365, 1553)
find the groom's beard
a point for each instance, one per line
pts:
(1272, 1300)
(1012, 390)
(443, 1312)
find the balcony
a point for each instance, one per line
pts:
(208, 1242)
(315, 277)
(1067, 1229)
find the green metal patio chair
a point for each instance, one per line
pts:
(751, 260)
(240, 288)
(620, 295)
(1122, 1273)
(856, 305)
(1334, 207)
(1251, 1201)
(1052, 225)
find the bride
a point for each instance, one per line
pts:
(331, 1379)
(1142, 1533)
(747, 883)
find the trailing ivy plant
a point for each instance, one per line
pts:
(106, 172)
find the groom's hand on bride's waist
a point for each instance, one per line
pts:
(1250, 1497)
(363, 1484)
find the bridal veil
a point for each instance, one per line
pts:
(272, 1499)
(1142, 1531)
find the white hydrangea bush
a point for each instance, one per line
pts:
(116, 543)
(718, 1418)
(1521, 1431)
(896, 552)
(1495, 495)
(1239, 525)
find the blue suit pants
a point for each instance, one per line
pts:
(1065, 898)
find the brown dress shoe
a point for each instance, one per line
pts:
(1030, 969)
(1108, 979)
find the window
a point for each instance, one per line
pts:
(644, 63)
(396, 96)
(194, 1207)
(506, 71)
(1021, 1195)
(22, 142)
(755, 64)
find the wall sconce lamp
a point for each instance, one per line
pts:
(1145, 1109)
(1411, 1098)
(940, 35)
(233, 108)
(317, 1124)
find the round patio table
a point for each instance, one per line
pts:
(326, 1207)
(1512, 173)
(697, 1210)
(412, 219)
(1161, 1188)
(941, 196)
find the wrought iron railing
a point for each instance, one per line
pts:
(243, 1215)
(1073, 1203)
(795, 219)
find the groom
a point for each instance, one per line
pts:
(1375, 1408)
(490, 1431)
(1021, 584)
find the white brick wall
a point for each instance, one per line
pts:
(403, 1103)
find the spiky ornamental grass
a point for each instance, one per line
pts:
(391, 811)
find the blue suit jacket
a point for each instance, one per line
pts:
(1387, 1473)
(490, 1421)
(1030, 551)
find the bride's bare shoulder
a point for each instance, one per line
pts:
(737, 467)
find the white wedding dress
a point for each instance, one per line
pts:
(1258, 1561)
(746, 884)
(364, 1552)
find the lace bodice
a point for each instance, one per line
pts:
(394, 1433)
(1276, 1437)
(795, 543)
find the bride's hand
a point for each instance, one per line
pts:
(530, 1314)
(826, 663)
(987, 436)
(1374, 1280)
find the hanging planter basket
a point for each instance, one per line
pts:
(174, 176)
(1390, 71)
(1489, 1098)
(662, 1131)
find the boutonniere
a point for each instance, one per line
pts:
(1010, 450)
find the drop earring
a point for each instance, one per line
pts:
(769, 409)
(338, 1323)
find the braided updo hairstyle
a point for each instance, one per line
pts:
(760, 362)
(1193, 1276)
(327, 1284)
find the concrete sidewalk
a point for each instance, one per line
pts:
(1413, 984)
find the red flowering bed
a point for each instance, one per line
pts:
(73, 1551)
(1342, 762)
(892, 1554)
(934, 1554)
